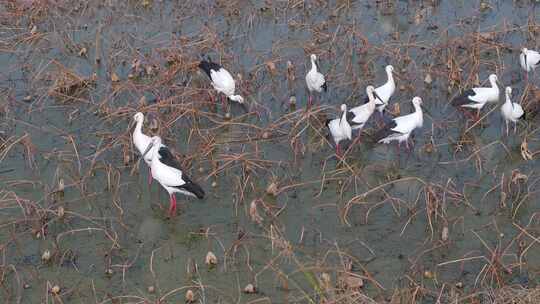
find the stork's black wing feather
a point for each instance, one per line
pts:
(208, 66)
(192, 187)
(168, 159)
(350, 117)
(385, 131)
(463, 98)
(327, 122)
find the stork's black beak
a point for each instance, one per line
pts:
(150, 145)
(377, 96)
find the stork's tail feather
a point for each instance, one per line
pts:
(385, 131)
(462, 99)
(382, 133)
(325, 87)
(205, 66)
(194, 189)
(327, 124)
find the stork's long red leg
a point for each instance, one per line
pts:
(149, 176)
(172, 205)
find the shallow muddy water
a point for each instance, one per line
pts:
(387, 213)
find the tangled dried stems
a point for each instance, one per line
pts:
(96, 158)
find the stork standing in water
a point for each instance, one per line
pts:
(340, 129)
(476, 98)
(385, 91)
(400, 128)
(168, 172)
(222, 81)
(315, 80)
(141, 142)
(529, 61)
(358, 116)
(511, 111)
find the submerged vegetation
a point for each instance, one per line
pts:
(454, 221)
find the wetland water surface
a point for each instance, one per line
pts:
(454, 220)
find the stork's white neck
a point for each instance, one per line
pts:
(343, 116)
(138, 127)
(390, 76)
(417, 108)
(371, 98)
(507, 97)
(313, 65)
